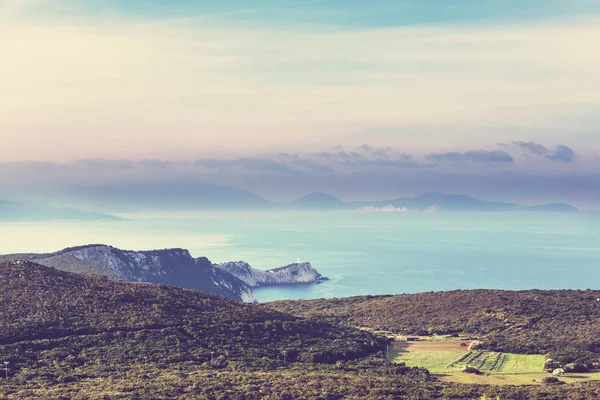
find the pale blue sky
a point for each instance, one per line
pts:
(349, 13)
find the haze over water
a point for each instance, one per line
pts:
(362, 253)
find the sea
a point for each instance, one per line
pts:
(362, 253)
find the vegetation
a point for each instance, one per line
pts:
(69, 336)
(551, 380)
(472, 370)
(563, 323)
(50, 316)
(435, 356)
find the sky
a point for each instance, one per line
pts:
(493, 98)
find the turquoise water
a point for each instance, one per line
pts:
(362, 253)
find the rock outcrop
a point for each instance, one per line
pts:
(173, 267)
(288, 275)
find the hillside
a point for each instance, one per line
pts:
(562, 322)
(169, 267)
(49, 314)
(70, 336)
(317, 201)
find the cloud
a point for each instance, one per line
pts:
(367, 148)
(95, 164)
(388, 208)
(562, 153)
(313, 166)
(473, 155)
(367, 156)
(157, 164)
(533, 147)
(402, 163)
(252, 164)
(361, 178)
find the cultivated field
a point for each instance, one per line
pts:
(448, 359)
(435, 356)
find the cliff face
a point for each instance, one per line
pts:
(173, 267)
(288, 275)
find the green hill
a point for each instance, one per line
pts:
(563, 323)
(48, 313)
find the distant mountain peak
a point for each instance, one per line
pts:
(318, 200)
(319, 196)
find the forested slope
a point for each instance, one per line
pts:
(565, 323)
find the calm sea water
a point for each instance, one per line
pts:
(362, 253)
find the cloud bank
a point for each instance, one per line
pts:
(366, 172)
(561, 153)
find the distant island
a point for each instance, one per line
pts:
(11, 211)
(175, 267)
(430, 202)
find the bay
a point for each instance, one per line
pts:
(362, 253)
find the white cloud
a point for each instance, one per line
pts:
(118, 87)
(389, 208)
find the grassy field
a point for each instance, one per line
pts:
(521, 364)
(454, 356)
(435, 356)
(447, 359)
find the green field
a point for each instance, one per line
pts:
(433, 361)
(448, 359)
(521, 364)
(435, 356)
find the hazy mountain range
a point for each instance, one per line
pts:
(424, 202)
(200, 196)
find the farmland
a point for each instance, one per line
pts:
(448, 359)
(435, 356)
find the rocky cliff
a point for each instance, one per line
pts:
(173, 267)
(288, 275)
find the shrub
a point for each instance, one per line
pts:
(472, 370)
(551, 380)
